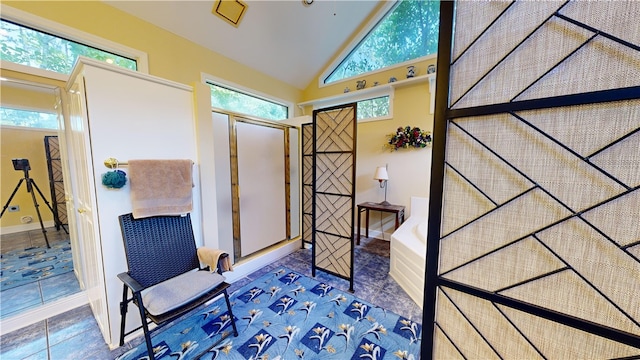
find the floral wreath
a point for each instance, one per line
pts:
(409, 137)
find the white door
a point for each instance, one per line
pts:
(76, 247)
(85, 216)
(261, 180)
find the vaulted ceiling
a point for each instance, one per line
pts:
(287, 40)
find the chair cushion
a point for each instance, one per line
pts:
(180, 290)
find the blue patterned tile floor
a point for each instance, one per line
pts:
(31, 295)
(75, 334)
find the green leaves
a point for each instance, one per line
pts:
(408, 31)
(30, 47)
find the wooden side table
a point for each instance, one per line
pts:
(398, 210)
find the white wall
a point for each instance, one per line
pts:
(133, 116)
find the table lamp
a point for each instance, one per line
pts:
(382, 176)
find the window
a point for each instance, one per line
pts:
(372, 104)
(408, 31)
(373, 108)
(240, 102)
(27, 118)
(30, 47)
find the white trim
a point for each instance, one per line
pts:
(118, 69)
(25, 84)
(351, 96)
(373, 92)
(54, 28)
(26, 227)
(20, 107)
(45, 311)
(261, 259)
(8, 65)
(356, 96)
(384, 69)
(206, 78)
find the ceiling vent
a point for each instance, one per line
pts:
(231, 11)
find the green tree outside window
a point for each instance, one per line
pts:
(26, 118)
(235, 101)
(407, 32)
(22, 45)
(373, 108)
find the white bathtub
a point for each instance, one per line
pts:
(409, 250)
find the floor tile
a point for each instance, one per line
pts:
(71, 323)
(75, 334)
(40, 355)
(20, 298)
(24, 342)
(86, 345)
(59, 286)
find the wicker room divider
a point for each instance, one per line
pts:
(534, 230)
(307, 183)
(334, 171)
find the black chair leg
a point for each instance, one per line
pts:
(233, 321)
(145, 327)
(123, 313)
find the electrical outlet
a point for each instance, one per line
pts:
(14, 208)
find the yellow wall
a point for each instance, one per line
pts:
(16, 143)
(29, 144)
(16, 98)
(170, 56)
(409, 169)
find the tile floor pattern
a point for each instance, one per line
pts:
(29, 296)
(75, 334)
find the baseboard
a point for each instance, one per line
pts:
(26, 227)
(43, 312)
(376, 234)
(261, 259)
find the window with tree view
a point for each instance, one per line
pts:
(239, 102)
(408, 31)
(28, 118)
(373, 108)
(26, 46)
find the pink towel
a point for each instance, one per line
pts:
(161, 187)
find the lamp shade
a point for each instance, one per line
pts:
(381, 173)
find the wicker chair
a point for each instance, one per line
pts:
(164, 277)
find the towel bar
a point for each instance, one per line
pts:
(113, 163)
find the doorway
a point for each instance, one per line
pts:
(35, 277)
(257, 180)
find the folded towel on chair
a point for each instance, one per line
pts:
(161, 187)
(210, 258)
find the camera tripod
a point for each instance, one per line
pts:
(31, 184)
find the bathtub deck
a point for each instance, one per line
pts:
(409, 250)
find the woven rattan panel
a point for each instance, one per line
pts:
(539, 237)
(307, 182)
(480, 329)
(580, 60)
(333, 196)
(56, 180)
(494, 43)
